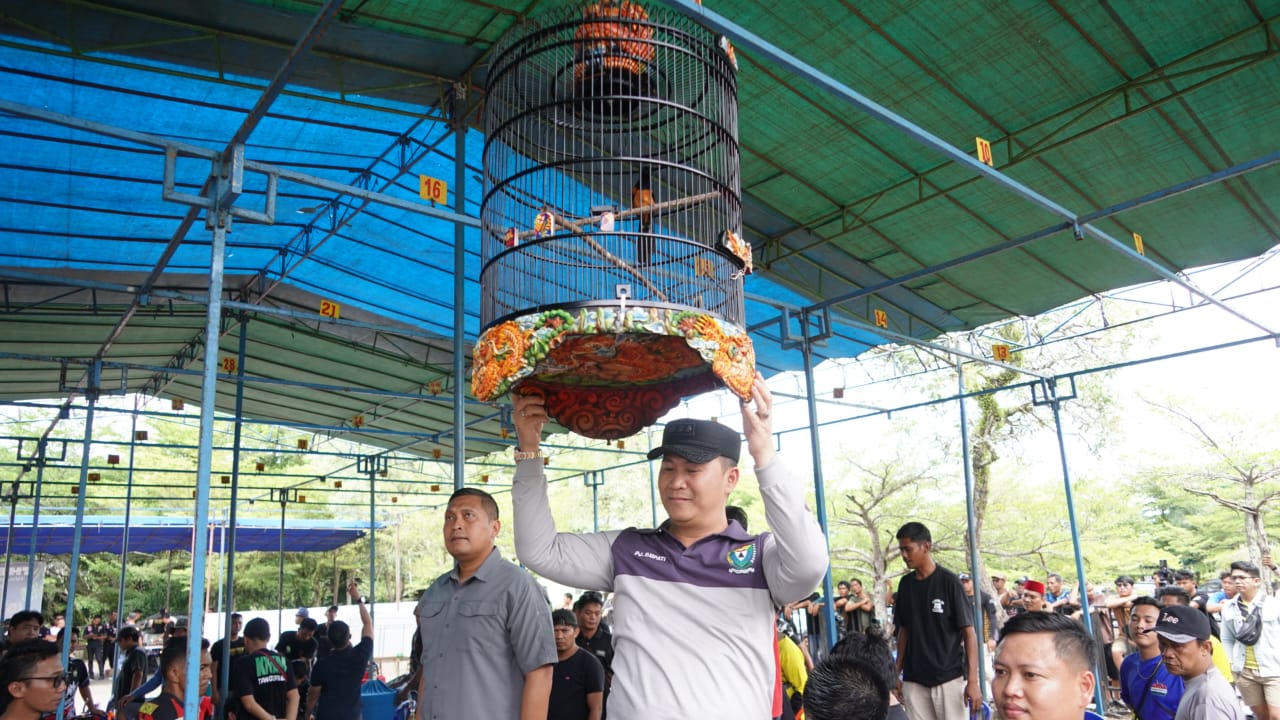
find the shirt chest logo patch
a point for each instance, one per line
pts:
(742, 559)
(938, 607)
(1160, 689)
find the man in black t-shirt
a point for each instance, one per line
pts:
(1186, 579)
(260, 679)
(324, 645)
(937, 647)
(226, 650)
(577, 682)
(112, 625)
(133, 664)
(299, 644)
(335, 680)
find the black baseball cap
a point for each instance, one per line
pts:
(1182, 624)
(698, 441)
(258, 629)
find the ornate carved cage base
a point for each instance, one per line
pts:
(607, 372)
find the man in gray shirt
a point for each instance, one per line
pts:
(1184, 644)
(488, 648)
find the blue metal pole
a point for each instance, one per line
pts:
(1051, 392)
(128, 512)
(971, 521)
(284, 503)
(459, 305)
(35, 523)
(204, 464)
(819, 496)
(8, 542)
(229, 534)
(595, 505)
(373, 523)
(91, 394)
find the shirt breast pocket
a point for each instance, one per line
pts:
(483, 627)
(431, 622)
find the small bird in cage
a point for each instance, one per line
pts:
(544, 225)
(642, 197)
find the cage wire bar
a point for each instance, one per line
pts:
(646, 137)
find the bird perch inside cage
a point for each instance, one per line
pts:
(611, 226)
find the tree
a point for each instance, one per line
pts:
(881, 484)
(879, 503)
(1238, 463)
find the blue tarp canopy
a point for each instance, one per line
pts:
(105, 533)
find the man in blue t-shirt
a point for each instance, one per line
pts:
(1146, 685)
(335, 680)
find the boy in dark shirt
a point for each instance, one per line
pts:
(260, 679)
(300, 644)
(77, 678)
(133, 665)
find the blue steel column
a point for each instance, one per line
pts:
(8, 542)
(372, 466)
(972, 528)
(91, 395)
(284, 502)
(459, 304)
(1051, 392)
(221, 219)
(594, 478)
(819, 496)
(35, 523)
(128, 513)
(229, 533)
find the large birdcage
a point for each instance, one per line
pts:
(611, 220)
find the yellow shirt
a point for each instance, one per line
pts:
(1250, 660)
(1220, 659)
(793, 670)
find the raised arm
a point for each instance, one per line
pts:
(795, 557)
(578, 560)
(366, 620)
